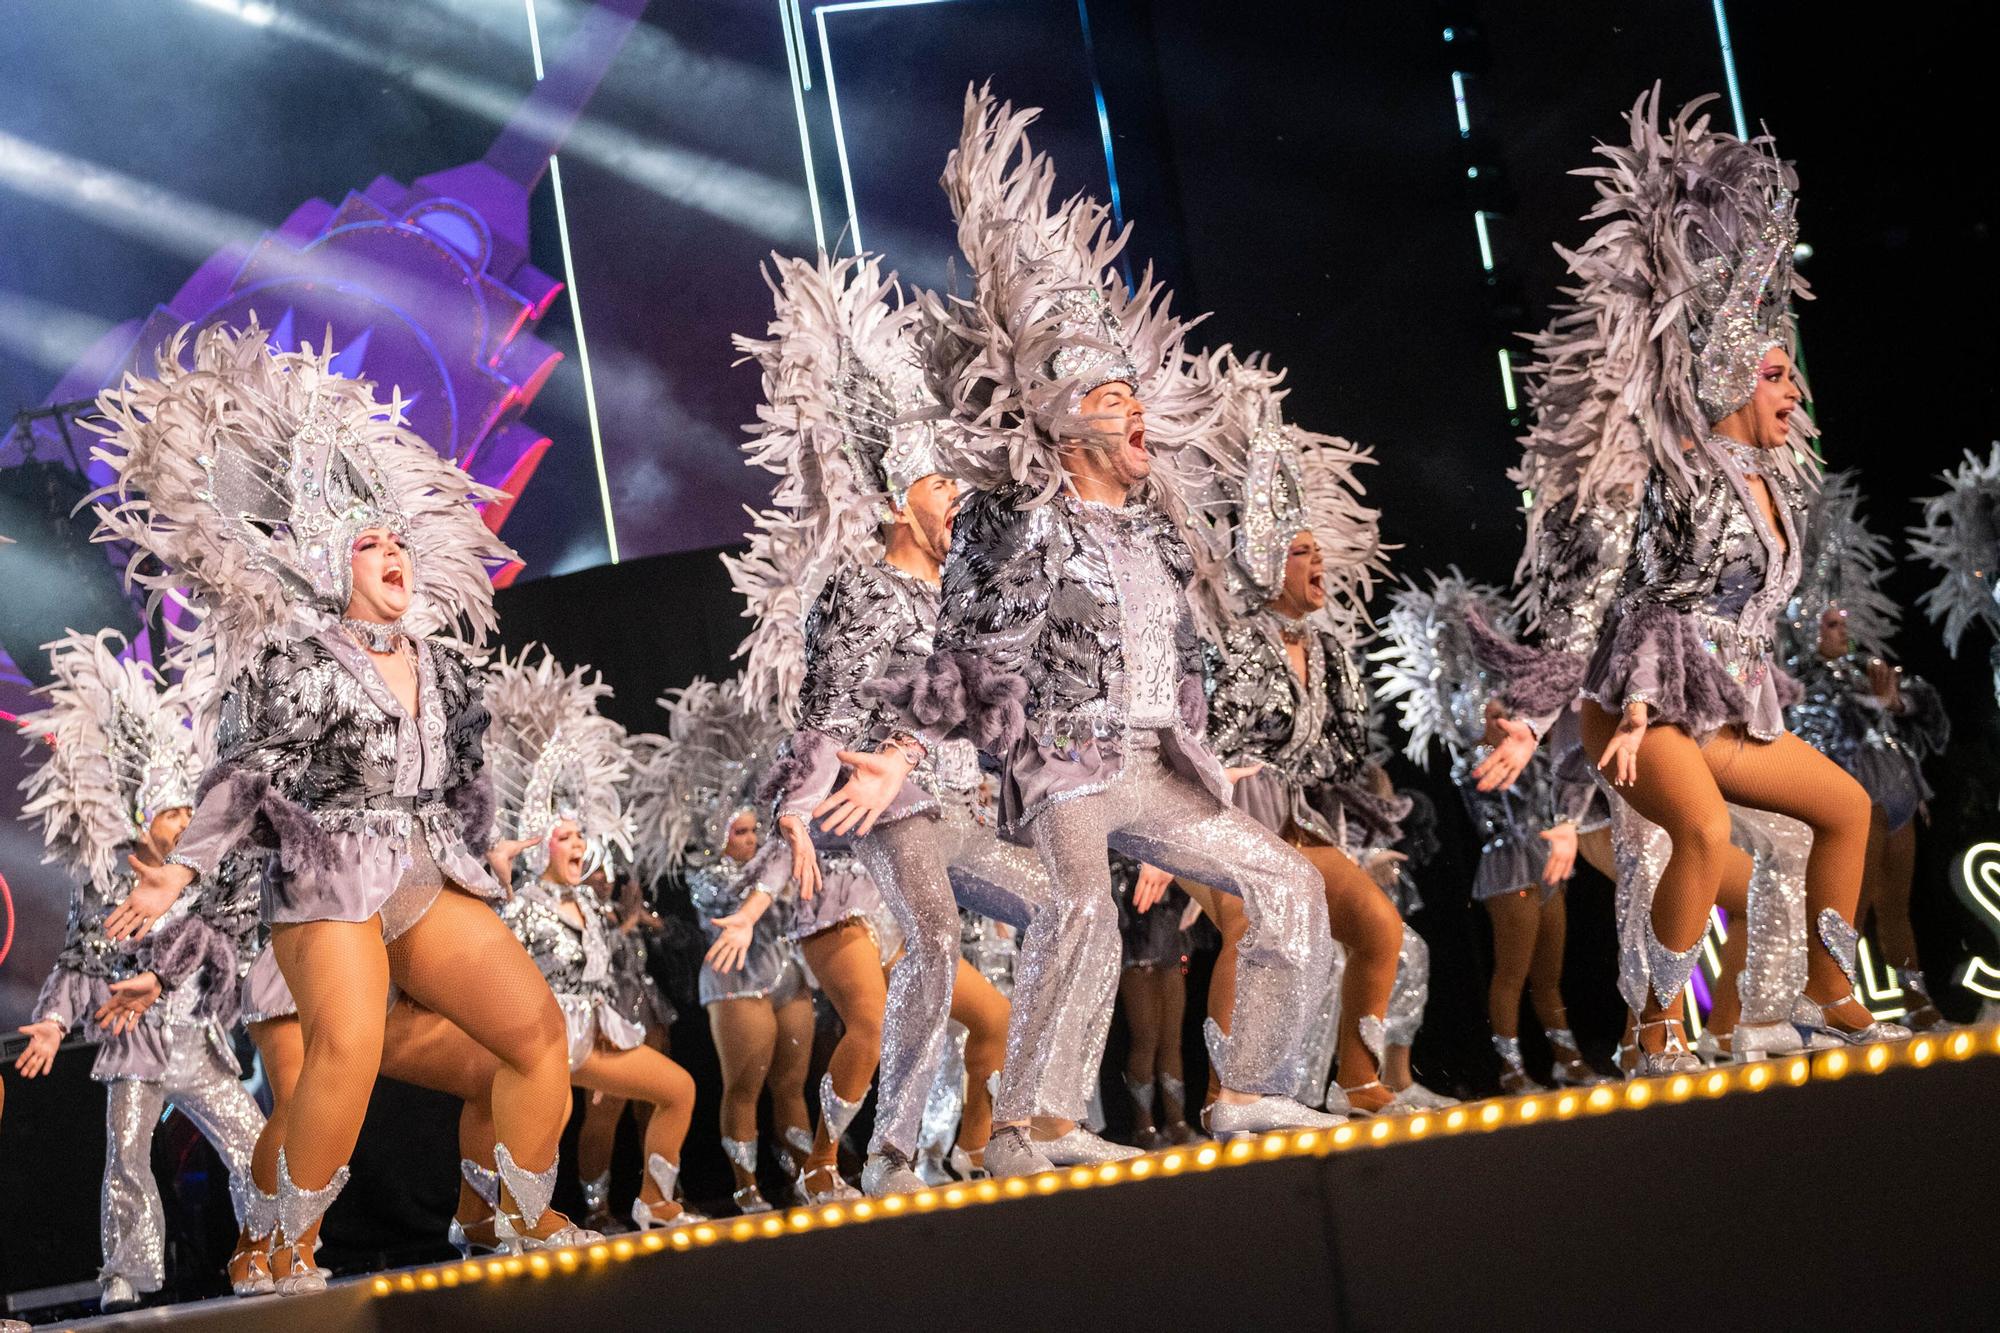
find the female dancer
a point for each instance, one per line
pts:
(1153, 991)
(1278, 702)
(557, 766)
(1864, 713)
(118, 779)
(691, 806)
(1528, 846)
(324, 544)
(1682, 702)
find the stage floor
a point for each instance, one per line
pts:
(1849, 1187)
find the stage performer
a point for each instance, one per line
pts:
(326, 548)
(1066, 647)
(1863, 712)
(1152, 989)
(1279, 517)
(1683, 699)
(694, 812)
(848, 425)
(557, 765)
(118, 780)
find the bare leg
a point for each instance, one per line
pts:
(462, 962)
(1595, 848)
(1138, 991)
(849, 968)
(422, 1047)
(746, 1033)
(791, 1056)
(1516, 919)
(1366, 923)
(642, 1074)
(1226, 911)
(982, 1010)
(1891, 899)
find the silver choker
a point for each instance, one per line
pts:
(1747, 457)
(373, 635)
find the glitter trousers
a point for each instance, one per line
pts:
(1158, 817)
(207, 1092)
(927, 867)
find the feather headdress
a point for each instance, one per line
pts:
(1843, 563)
(121, 750)
(245, 475)
(1254, 482)
(1960, 536)
(780, 577)
(1049, 318)
(703, 775)
(554, 756)
(1428, 666)
(1684, 286)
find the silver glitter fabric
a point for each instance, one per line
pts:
(1304, 732)
(1510, 824)
(1032, 592)
(1320, 1043)
(1159, 816)
(1693, 632)
(927, 868)
(1411, 992)
(352, 777)
(576, 961)
(771, 965)
(207, 1091)
(1883, 748)
(946, 1103)
(1774, 972)
(1148, 608)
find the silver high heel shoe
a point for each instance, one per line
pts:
(260, 1219)
(667, 1176)
(1810, 1016)
(836, 1113)
(1570, 1069)
(530, 1191)
(742, 1154)
(1514, 1078)
(486, 1184)
(1673, 1057)
(298, 1210)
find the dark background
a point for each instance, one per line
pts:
(1297, 169)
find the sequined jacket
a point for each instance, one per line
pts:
(1258, 704)
(575, 959)
(1839, 715)
(872, 625)
(1692, 630)
(317, 761)
(1031, 595)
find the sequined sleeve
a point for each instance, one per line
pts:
(1923, 725)
(846, 647)
(467, 785)
(997, 585)
(1240, 701)
(267, 731)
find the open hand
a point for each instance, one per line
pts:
(1499, 770)
(1562, 854)
(1621, 753)
(732, 946)
(44, 1039)
(877, 778)
(128, 1003)
(155, 889)
(1152, 886)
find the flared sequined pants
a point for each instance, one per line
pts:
(209, 1093)
(1069, 960)
(927, 867)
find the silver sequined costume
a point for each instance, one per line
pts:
(574, 950)
(1065, 596)
(370, 809)
(1884, 748)
(770, 965)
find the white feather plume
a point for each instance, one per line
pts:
(1960, 538)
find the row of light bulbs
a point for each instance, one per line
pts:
(1496, 1113)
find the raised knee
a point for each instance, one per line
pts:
(1851, 810)
(1706, 834)
(347, 1040)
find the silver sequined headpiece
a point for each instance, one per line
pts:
(1049, 317)
(1254, 483)
(1748, 299)
(555, 757)
(246, 474)
(121, 750)
(702, 775)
